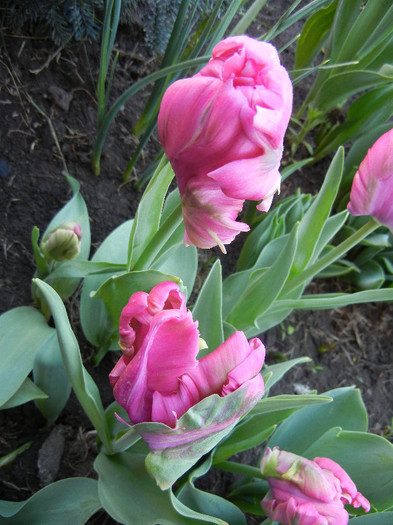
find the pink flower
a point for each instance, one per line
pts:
(159, 377)
(372, 187)
(222, 131)
(305, 492)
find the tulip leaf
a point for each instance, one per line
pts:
(50, 375)
(72, 500)
(95, 321)
(181, 261)
(382, 518)
(314, 220)
(367, 458)
(278, 370)
(305, 426)
(242, 438)
(201, 501)
(208, 310)
(371, 276)
(314, 34)
(23, 331)
(263, 288)
(116, 291)
(82, 383)
(28, 391)
(132, 497)
(148, 215)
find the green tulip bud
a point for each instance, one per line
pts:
(63, 243)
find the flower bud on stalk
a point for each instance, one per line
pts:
(63, 243)
(222, 131)
(305, 492)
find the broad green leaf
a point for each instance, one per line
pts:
(297, 433)
(181, 261)
(23, 331)
(287, 401)
(116, 291)
(367, 458)
(371, 276)
(81, 269)
(28, 391)
(94, 317)
(148, 215)
(132, 497)
(263, 288)
(242, 438)
(205, 502)
(50, 376)
(314, 34)
(82, 383)
(72, 500)
(208, 310)
(314, 220)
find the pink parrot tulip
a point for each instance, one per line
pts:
(305, 492)
(159, 378)
(372, 187)
(222, 131)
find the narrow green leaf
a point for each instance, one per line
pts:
(148, 215)
(314, 220)
(208, 310)
(23, 331)
(72, 500)
(263, 288)
(373, 519)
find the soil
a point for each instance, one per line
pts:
(47, 126)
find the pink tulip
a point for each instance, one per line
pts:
(372, 187)
(305, 492)
(159, 377)
(222, 131)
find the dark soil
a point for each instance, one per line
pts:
(47, 96)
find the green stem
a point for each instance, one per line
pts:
(237, 468)
(331, 256)
(159, 239)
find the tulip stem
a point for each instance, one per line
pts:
(159, 239)
(237, 468)
(331, 256)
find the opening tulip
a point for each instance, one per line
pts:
(158, 378)
(222, 131)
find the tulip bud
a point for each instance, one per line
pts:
(372, 187)
(222, 131)
(305, 491)
(63, 243)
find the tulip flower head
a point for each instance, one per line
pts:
(372, 187)
(222, 131)
(158, 378)
(64, 242)
(305, 492)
